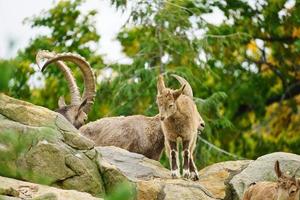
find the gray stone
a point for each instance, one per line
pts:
(262, 169)
(134, 166)
(150, 179)
(215, 178)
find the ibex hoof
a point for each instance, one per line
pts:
(194, 176)
(175, 174)
(186, 173)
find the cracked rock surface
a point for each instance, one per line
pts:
(149, 177)
(216, 177)
(17, 190)
(41, 146)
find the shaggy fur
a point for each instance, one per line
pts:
(286, 188)
(179, 119)
(137, 133)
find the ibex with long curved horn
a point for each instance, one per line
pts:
(179, 119)
(137, 133)
(77, 111)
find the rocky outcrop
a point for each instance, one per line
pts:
(15, 189)
(41, 146)
(152, 181)
(262, 169)
(149, 178)
(216, 177)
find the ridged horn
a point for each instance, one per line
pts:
(43, 56)
(88, 75)
(187, 89)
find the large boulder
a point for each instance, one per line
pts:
(15, 189)
(215, 178)
(148, 177)
(262, 169)
(41, 146)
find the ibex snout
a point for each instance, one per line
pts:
(201, 126)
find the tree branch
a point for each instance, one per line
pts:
(290, 92)
(285, 39)
(274, 69)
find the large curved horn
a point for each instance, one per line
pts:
(88, 75)
(41, 58)
(187, 89)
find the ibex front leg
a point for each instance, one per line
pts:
(186, 158)
(173, 157)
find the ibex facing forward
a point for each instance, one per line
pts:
(179, 119)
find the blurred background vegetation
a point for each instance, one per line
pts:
(244, 72)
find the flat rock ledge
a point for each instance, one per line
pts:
(153, 181)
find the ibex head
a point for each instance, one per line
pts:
(287, 186)
(73, 113)
(76, 112)
(166, 99)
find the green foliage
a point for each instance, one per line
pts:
(12, 148)
(124, 191)
(70, 31)
(6, 73)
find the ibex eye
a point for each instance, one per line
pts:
(171, 105)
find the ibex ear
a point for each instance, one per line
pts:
(178, 92)
(160, 84)
(61, 102)
(277, 169)
(82, 105)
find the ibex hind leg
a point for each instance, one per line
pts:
(193, 169)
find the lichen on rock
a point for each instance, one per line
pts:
(41, 146)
